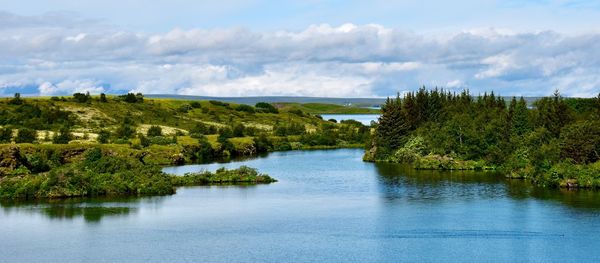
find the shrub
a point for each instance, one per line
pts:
(82, 98)
(196, 104)
(218, 103)
(184, 108)
(103, 136)
(25, 135)
(16, 100)
(238, 130)
(154, 130)
(262, 143)
(63, 136)
(202, 129)
(245, 108)
(202, 152)
(5, 135)
(132, 98)
(266, 107)
(297, 112)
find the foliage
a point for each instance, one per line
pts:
(245, 108)
(16, 100)
(434, 129)
(132, 98)
(266, 107)
(154, 130)
(25, 135)
(63, 136)
(82, 98)
(5, 135)
(219, 103)
(244, 174)
(102, 173)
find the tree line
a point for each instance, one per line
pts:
(526, 140)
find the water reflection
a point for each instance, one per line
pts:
(92, 210)
(401, 182)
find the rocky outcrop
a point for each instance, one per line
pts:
(11, 158)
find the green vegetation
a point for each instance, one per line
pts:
(555, 143)
(244, 175)
(99, 172)
(44, 140)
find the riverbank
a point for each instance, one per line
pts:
(98, 172)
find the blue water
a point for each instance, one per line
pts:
(328, 206)
(363, 118)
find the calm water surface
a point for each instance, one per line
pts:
(363, 118)
(327, 206)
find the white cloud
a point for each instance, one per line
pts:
(70, 87)
(322, 60)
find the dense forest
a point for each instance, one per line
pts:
(553, 142)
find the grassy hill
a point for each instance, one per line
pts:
(123, 126)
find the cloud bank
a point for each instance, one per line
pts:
(57, 54)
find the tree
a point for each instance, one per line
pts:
(195, 104)
(580, 142)
(266, 107)
(238, 130)
(82, 98)
(63, 136)
(154, 131)
(132, 98)
(392, 125)
(553, 113)
(520, 118)
(262, 143)
(25, 135)
(125, 131)
(245, 108)
(103, 136)
(16, 100)
(103, 97)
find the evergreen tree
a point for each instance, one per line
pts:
(520, 117)
(392, 125)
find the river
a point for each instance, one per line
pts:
(362, 118)
(327, 206)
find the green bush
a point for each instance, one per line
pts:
(154, 130)
(5, 135)
(266, 107)
(245, 108)
(25, 135)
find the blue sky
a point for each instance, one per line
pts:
(310, 48)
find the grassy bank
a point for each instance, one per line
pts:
(99, 172)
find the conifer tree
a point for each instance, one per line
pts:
(392, 124)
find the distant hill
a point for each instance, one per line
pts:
(357, 102)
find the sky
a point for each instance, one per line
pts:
(299, 48)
